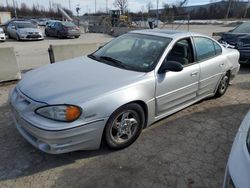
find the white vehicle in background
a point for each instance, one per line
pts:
(2, 35)
(238, 167)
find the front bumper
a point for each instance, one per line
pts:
(238, 166)
(38, 36)
(83, 136)
(2, 37)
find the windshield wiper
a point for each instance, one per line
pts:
(114, 61)
(92, 56)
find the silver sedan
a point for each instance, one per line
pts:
(24, 30)
(115, 92)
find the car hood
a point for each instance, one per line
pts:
(75, 81)
(232, 38)
(23, 30)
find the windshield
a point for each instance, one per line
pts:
(137, 52)
(25, 25)
(242, 28)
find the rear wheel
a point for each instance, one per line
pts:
(223, 85)
(124, 126)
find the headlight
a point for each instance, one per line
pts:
(248, 140)
(65, 113)
(1, 31)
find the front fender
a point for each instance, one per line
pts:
(106, 104)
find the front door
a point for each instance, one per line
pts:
(176, 90)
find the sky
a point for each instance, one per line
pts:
(88, 6)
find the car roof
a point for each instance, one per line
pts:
(19, 21)
(166, 33)
(53, 21)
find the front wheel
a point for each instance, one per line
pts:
(124, 126)
(223, 85)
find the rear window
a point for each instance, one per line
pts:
(68, 24)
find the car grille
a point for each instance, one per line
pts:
(33, 33)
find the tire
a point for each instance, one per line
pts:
(46, 33)
(76, 37)
(17, 37)
(223, 85)
(119, 135)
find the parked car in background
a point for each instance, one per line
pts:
(62, 29)
(24, 30)
(2, 35)
(239, 38)
(42, 21)
(123, 87)
(238, 166)
(34, 21)
(49, 22)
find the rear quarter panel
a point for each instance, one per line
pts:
(232, 61)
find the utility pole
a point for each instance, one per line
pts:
(228, 8)
(69, 5)
(157, 13)
(245, 13)
(14, 6)
(106, 6)
(95, 6)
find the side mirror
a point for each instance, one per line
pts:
(13, 27)
(170, 66)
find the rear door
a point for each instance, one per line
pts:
(175, 90)
(208, 55)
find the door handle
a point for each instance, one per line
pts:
(222, 64)
(194, 73)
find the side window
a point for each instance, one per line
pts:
(52, 24)
(182, 52)
(218, 49)
(56, 25)
(204, 47)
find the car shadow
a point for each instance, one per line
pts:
(197, 124)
